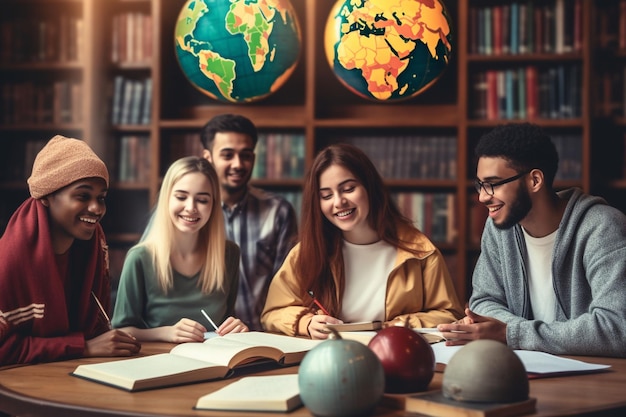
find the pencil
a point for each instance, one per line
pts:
(209, 319)
(317, 303)
(104, 313)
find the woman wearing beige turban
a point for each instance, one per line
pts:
(54, 278)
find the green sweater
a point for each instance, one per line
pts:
(141, 303)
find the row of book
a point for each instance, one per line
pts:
(527, 92)
(131, 101)
(432, 213)
(279, 155)
(36, 103)
(522, 27)
(38, 39)
(410, 156)
(133, 162)
(131, 38)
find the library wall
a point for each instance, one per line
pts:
(106, 72)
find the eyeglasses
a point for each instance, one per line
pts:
(489, 186)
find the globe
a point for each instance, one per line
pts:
(238, 50)
(388, 50)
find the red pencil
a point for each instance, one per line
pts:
(317, 303)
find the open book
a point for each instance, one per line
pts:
(255, 393)
(192, 362)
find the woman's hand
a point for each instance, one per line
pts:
(317, 326)
(231, 325)
(112, 343)
(186, 330)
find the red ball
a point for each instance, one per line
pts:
(407, 358)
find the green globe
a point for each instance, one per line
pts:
(237, 50)
(388, 50)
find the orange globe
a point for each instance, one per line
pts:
(388, 50)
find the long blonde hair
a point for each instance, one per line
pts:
(212, 237)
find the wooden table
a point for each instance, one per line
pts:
(49, 390)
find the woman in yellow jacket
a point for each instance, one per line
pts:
(359, 258)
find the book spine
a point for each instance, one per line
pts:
(496, 13)
(514, 47)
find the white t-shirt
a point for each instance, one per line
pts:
(542, 296)
(367, 268)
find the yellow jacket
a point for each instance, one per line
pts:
(419, 288)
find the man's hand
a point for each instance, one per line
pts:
(112, 343)
(473, 327)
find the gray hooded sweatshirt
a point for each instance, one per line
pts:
(589, 280)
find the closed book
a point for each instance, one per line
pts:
(215, 358)
(276, 393)
(118, 94)
(136, 105)
(146, 102)
(356, 327)
(435, 404)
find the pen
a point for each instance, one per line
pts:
(317, 303)
(104, 313)
(209, 319)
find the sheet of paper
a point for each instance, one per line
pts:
(210, 335)
(534, 362)
(541, 362)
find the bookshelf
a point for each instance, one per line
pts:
(50, 84)
(446, 120)
(609, 85)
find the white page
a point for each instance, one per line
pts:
(543, 363)
(287, 344)
(534, 362)
(255, 392)
(221, 349)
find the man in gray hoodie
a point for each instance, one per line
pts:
(551, 275)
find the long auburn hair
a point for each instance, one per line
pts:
(212, 236)
(321, 250)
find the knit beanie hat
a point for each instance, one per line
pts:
(61, 162)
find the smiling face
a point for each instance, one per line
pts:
(191, 202)
(344, 202)
(233, 158)
(511, 202)
(75, 211)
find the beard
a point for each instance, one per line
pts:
(229, 189)
(518, 209)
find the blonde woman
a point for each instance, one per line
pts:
(184, 266)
